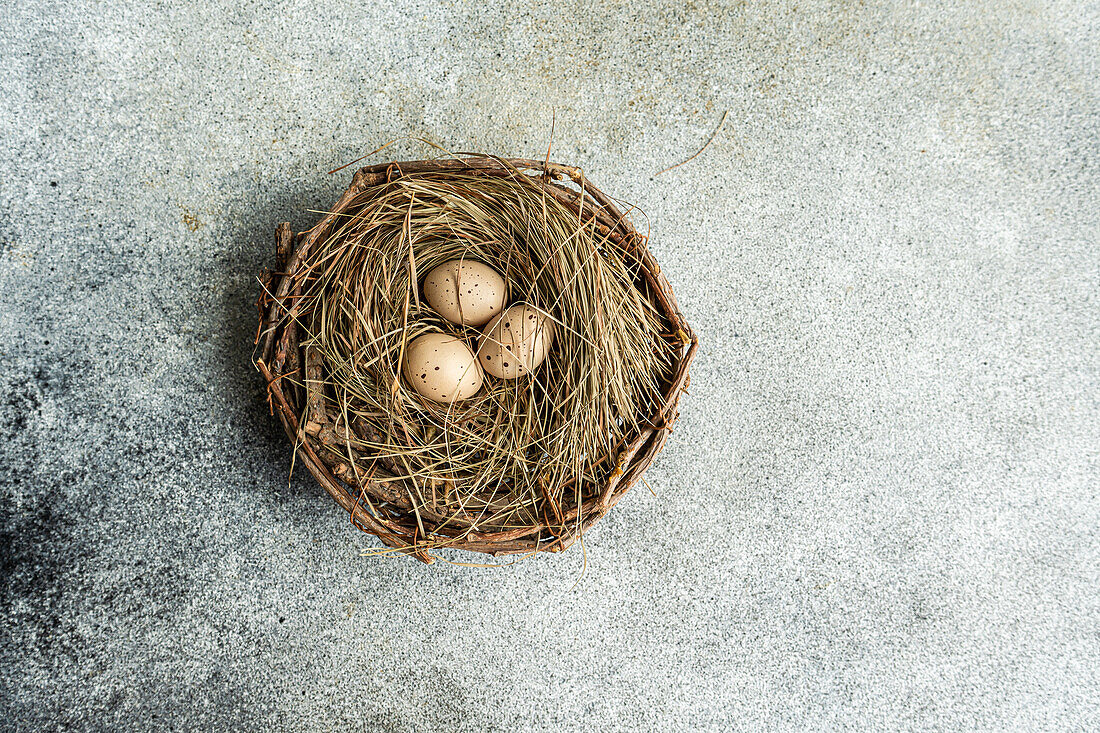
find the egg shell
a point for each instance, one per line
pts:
(516, 342)
(442, 368)
(466, 292)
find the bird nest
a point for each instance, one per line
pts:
(527, 464)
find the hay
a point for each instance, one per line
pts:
(527, 464)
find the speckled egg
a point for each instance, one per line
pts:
(442, 368)
(465, 292)
(516, 341)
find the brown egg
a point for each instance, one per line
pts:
(442, 368)
(516, 341)
(466, 292)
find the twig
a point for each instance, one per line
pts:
(364, 157)
(708, 142)
(553, 121)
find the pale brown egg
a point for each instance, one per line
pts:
(516, 341)
(442, 368)
(466, 292)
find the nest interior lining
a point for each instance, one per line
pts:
(526, 464)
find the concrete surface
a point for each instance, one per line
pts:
(878, 510)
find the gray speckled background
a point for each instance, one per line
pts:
(879, 508)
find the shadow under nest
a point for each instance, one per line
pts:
(526, 465)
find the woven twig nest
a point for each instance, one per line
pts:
(527, 464)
